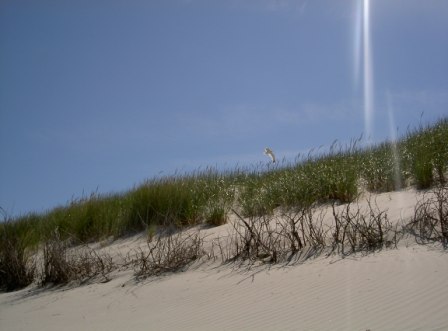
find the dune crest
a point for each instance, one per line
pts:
(392, 289)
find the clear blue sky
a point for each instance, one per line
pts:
(105, 94)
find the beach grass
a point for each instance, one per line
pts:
(336, 175)
(419, 158)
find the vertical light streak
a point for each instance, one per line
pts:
(357, 41)
(368, 73)
(393, 137)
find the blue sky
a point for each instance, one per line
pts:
(100, 95)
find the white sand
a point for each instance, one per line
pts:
(397, 289)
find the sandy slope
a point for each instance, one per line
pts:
(400, 289)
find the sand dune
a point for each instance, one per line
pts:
(397, 289)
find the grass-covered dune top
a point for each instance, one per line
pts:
(418, 158)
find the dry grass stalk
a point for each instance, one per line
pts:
(430, 221)
(62, 265)
(167, 254)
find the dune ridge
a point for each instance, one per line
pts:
(391, 289)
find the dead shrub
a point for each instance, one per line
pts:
(63, 263)
(303, 227)
(167, 254)
(257, 238)
(430, 220)
(302, 232)
(357, 230)
(90, 264)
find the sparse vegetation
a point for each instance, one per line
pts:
(255, 195)
(304, 231)
(61, 264)
(355, 229)
(430, 221)
(17, 266)
(168, 253)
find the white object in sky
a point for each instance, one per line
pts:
(270, 153)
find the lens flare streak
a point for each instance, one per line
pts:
(393, 136)
(357, 29)
(363, 51)
(368, 72)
